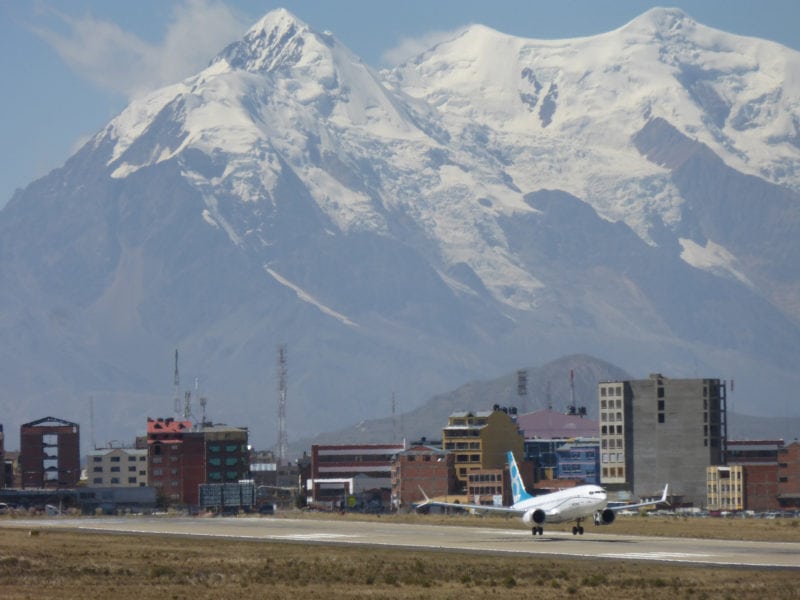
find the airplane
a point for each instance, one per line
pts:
(572, 504)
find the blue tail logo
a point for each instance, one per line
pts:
(517, 487)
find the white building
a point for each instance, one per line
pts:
(117, 467)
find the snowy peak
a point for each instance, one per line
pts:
(660, 23)
(278, 40)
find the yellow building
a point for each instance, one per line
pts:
(725, 488)
(480, 440)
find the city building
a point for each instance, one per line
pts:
(481, 440)
(789, 476)
(579, 460)
(116, 467)
(171, 468)
(542, 454)
(660, 430)
(50, 453)
(489, 487)
(351, 475)
(227, 458)
(725, 488)
(181, 457)
(551, 424)
(2, 458)
(759, 462)
(422, 467)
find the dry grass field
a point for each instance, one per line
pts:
(64, 565)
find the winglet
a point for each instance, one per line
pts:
(664, 495)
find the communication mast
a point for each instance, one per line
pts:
(177, 388)
(283, 444)
(203, 402)
(394, 421)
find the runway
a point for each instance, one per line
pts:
(445, 538)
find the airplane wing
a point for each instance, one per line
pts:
(479, 508)
(642, 504)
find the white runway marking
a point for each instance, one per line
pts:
(310, 536)
(655, 555)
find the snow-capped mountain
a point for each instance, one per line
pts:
(494, 202)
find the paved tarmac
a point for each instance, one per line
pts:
(445, 538)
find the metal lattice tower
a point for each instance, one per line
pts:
(283, 443)
(177, 387)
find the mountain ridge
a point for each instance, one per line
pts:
(402, 235)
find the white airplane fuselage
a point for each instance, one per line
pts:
(565, 505)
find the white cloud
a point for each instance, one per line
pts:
(117, 60)
(410, 47)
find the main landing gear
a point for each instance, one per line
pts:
(578, 529)
(539, 530)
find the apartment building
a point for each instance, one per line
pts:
(117, 467)
(481, 440)
(50, 453)
(660, 430)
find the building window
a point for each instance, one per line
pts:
(97, 459)
(660, 417)
(115, 459)
(115, 469)
(114, 480)
(98, 469)
(131, 479)
(97, 480)
(132, 469)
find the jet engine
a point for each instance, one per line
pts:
(534, 517)
(604, 517)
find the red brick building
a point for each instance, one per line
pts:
(167, 460)
(50, 454)
(427, 467)
(180, 458)
(2, 459)
(759, 461)
(789, 477)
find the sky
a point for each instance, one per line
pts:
(67, 67)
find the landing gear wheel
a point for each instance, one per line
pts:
(580, 530)
(541, 530)
(574, 531)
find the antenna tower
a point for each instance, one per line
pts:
(91, 420)
(177, 387)
(203, 403)
(283, 444)
(187, 404)
(572, 409)
(394, 421)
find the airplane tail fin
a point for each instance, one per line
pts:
(518, 490)
(424, 495)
